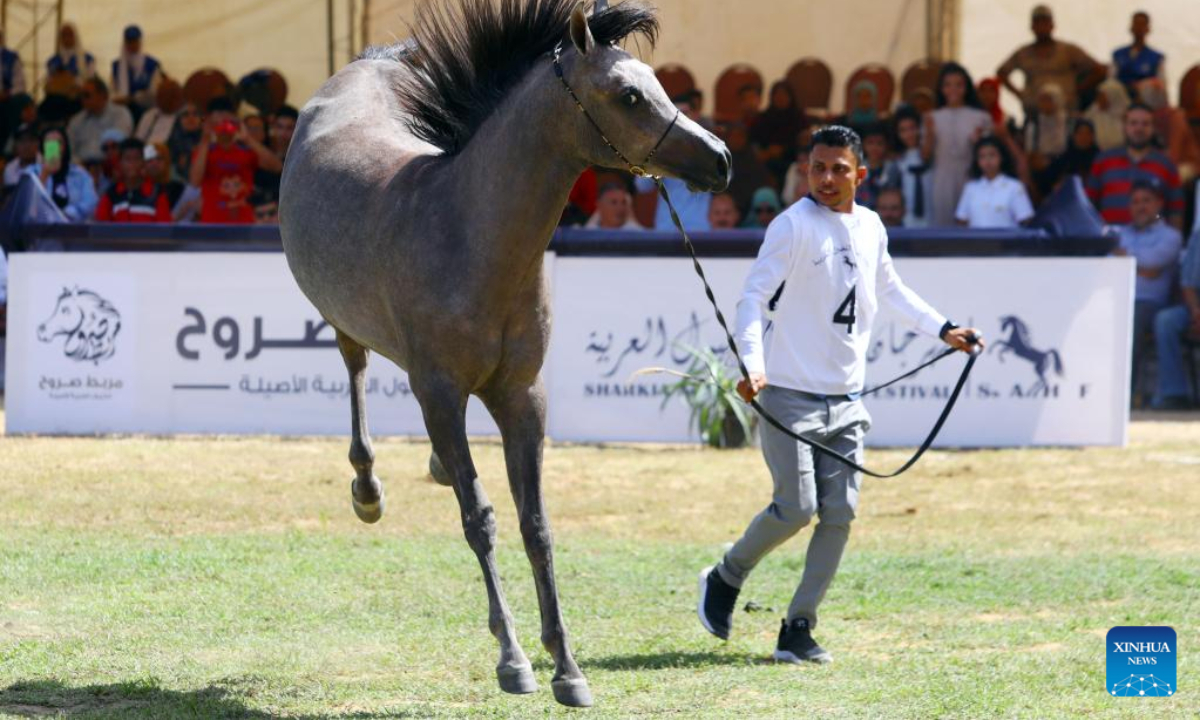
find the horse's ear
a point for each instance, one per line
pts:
(581, 34)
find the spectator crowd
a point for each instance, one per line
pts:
(128, 146)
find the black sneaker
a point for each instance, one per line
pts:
(717, 599)
(796, 644)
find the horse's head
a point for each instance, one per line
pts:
(632, 109)
(66, 318)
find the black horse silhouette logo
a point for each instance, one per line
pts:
(89, 322)
(1018, 342)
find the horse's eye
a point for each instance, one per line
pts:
(631, 97)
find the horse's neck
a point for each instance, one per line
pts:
(515, 175)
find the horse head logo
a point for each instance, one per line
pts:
(89, 322)
(1019, 343)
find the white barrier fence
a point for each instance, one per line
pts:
(226, 343)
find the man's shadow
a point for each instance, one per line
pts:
(42, 698)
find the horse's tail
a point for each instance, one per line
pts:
(1058, 366)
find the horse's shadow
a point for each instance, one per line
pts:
(42, 698)
(674, 660)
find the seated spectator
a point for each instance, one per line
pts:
(1115, 170)
(69, 186)
(749, 102)
(133, 197)
(923, 100)
(1170, 327)
(863, 112)
(1137, 61)
(70, 65)
(1171, 128)
(110, 149)
(691, 104)
(763, 209)
(1078, 158)
(158, 169)
(185, 138)
(994, 198)
(223, 167)
(915, 176)
(749, 173)
(283, 126)
(614, 210)
(691, 206)
(1155, 245)
(776, 129)
(135, 75)
(98, 114)
(26, 155)
(723, 212)
(1107, 114)
(795, 184)
(266, 210)
(256, 128)
(1046, 134)
(889, 204)
(881, 172)
(157, 123)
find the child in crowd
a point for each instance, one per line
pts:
(915, 178)
(994, 198)
(882, 174)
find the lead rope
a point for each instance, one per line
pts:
(641, 171)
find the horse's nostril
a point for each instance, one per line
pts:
(722, 164)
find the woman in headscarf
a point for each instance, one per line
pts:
(185, 136)
(1172, 128)
(69, 186)
(1107, 114)
(1078, 158)
(777, 127)
(949, 139)
(763, 208)
(989, 99)
(1047, 134)
(864, 99)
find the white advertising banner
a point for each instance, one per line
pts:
(184, 343)
(226, 343)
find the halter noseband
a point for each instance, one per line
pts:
(638, 170)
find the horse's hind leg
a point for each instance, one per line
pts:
(444, 409)
(521, 414)
(366, 490)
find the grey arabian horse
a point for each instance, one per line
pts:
(422, 187)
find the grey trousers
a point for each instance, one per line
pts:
(805, 485)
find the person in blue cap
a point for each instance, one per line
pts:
(135, 75)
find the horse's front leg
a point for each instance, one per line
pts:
(520, 411)
(444, 408)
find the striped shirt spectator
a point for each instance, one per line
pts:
(1115, 171)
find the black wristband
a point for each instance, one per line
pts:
(945, 329)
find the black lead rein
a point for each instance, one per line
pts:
(641, 171)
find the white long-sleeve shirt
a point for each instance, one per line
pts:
(835, 268)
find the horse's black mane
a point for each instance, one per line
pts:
(468, 54)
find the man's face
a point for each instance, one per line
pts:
(1145, 207)
(723, 213)
(909, 132)
(1140, 27)
(1043, 27)
(26, 149)
(1139, 129)
(614, 207)
(66, 38)
(890, 207)
(92, 99)
(154, 167)
(688, 110)
(282, 130)
(132, 164)
(133, 47)
(834, 176)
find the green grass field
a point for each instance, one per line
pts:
(209, 578)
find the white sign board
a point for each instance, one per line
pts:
(226, 343)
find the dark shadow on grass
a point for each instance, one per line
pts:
(43, 698)
(671, 660)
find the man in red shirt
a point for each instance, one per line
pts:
(223, 166)
(133, 198)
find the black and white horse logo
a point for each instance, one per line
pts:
(1018, 342)
(89, 322)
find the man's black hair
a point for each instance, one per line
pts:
(875, 128)
(287, 111)
(133, 144)
(842, 137)
(1138, 105)
(1149, 184)
(98, 84)
(220, 104)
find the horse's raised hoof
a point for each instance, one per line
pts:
(517, 680)
(438, 471)
(572, 692)
(368, 510)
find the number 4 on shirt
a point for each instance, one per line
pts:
(844, 315)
